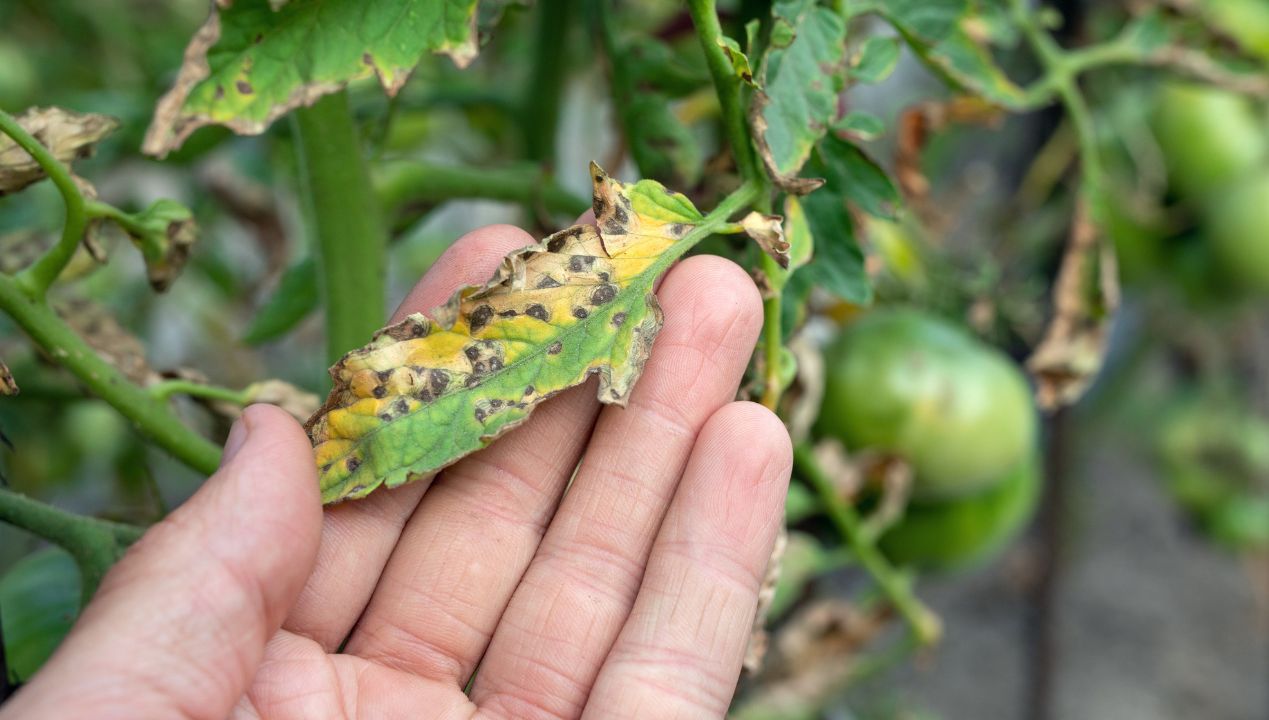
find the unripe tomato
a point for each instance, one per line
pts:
(1237, 225)
(947, 534)
(1210, 138)
(904, 382)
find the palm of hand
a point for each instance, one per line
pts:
(630, 595)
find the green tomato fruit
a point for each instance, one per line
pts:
(1215, 459)
(1236, 224)
(951, 534)
(1210, 138)
(957, 410)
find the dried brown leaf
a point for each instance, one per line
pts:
(114, 343)
(8, 386)
(758, 638)
(68, 135)
(1085, 298)
(768, 232)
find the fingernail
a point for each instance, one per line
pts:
(237, 438)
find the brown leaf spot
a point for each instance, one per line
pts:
(439, 380)
(580, 313)
(538, 312)
(555, 348)
(548, 282)
(603, 294)
(618, 319)
(480, 317)
(379, 391)
(352, 464)
(244, 87)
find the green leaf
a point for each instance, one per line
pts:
(802, 74)
(853, 175)
(876, 60)
(295, 297)
(655, 64)
(250, 64)
(39, 600)
(427, 391)
(935, 31)
(838, 263)
(862, 125)
(662, 146)
(1147, 33)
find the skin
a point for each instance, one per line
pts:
(631, 595)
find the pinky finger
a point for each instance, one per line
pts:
(680, 651)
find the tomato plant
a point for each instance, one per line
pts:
(929, 196)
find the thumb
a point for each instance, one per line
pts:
(180, 624)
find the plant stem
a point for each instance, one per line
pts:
(1061, 70)
(350, 241)
(736, 126)
(37, 278)
(924, 624)
(166, 389)
(727, 85)
(546, 86)
(399, 183)
(95, 544)
(152, 418)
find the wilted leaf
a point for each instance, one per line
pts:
(114, 343)
(428, 391)
(164, 233)
(802, 74)
(917, 125)
(1085, 298)
(68, 136)
(249, 64)
(299, 403)
(8, 386)
(768, 232)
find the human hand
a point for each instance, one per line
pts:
(631, 595)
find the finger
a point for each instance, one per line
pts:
(465, 548)
(179, 625)
(680, 652)
(579, 588)
(358, 537)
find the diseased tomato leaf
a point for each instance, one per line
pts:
(251, 63)
(429, 390)
(67, 135)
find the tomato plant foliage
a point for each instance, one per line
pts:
(311, 149)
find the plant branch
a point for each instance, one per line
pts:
(399, 183)
(345, 223)
(925, 625)
(166, 389)
(36, 279)
(95, 544)
(152, 418)
(736, 126)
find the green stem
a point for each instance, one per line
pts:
(727, 85)
(350, 241)
(399, 183)
(166, 389)
(95, 544)
(152, 418)
(736, 127)
(1061, 71)
(546, 85)
(37, 278)
(924, 624)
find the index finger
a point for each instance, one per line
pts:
(358, 537)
